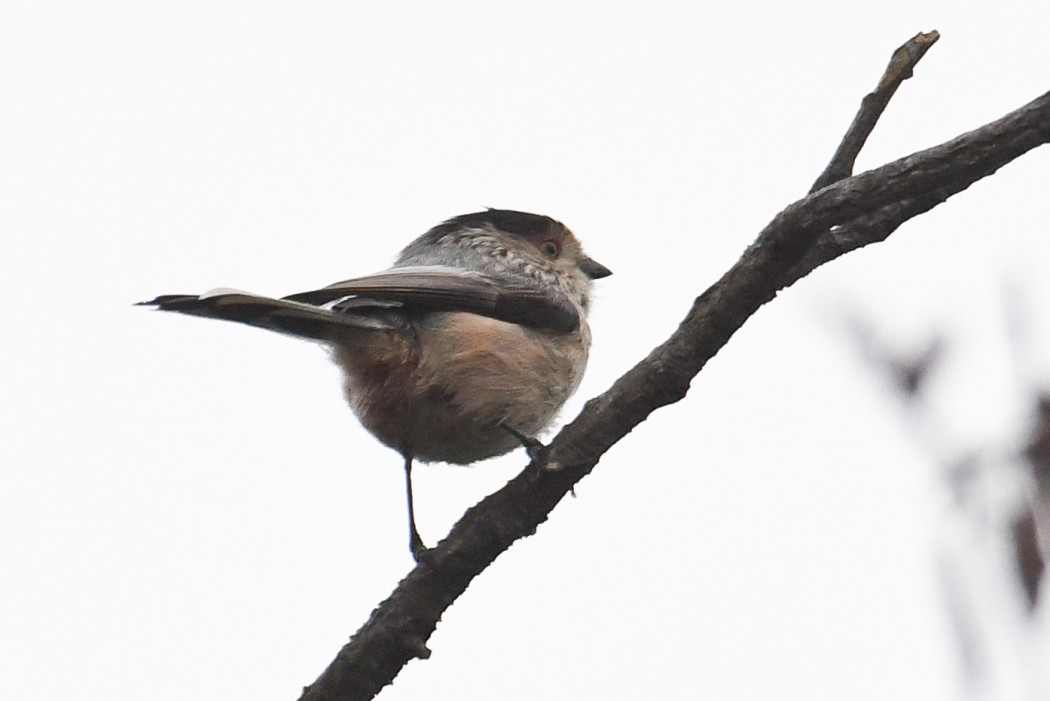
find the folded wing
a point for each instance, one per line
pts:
(440, 288)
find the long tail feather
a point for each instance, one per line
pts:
(280, 315)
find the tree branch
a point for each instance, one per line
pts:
(900, 68)
(829, 222)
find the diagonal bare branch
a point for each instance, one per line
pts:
(900, 68)
(836, 219)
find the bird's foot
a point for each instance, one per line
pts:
(533, 447)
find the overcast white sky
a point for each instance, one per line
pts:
(189, 510)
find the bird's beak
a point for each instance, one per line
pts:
(593, 269)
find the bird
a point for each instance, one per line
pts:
(465, 349)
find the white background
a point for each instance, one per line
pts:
(190, 511)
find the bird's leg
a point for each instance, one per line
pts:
(415, 543)
(532, 445)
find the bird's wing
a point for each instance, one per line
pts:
(443, 288)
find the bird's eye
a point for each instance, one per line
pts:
(550, 248)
